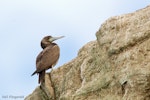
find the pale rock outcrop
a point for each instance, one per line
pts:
(114, 67)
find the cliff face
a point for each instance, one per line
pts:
(114, 67)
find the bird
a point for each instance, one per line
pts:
(48, 57)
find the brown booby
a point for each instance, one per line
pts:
(48, 57)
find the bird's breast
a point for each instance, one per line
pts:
(48, 57)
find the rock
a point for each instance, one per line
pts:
(114, 67)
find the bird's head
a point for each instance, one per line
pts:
(47, 40)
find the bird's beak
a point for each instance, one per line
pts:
(55, 38)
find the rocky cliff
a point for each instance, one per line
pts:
(114, 67)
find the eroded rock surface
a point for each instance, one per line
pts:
(114, 67)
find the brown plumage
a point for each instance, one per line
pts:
(48, 57)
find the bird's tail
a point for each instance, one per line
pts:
(34, 73)
(42, 76)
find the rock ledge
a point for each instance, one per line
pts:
(114, 67)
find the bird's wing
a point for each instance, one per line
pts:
(39, 57)
(47, 58)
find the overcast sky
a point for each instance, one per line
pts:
(23, 23)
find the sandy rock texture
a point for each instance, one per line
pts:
(116, 66)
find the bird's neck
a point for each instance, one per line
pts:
(44, 45)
